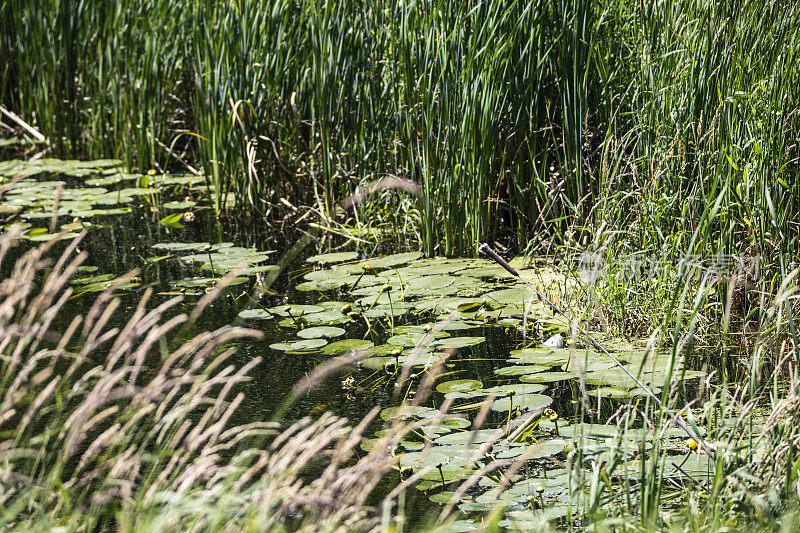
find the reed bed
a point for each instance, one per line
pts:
(531, 123)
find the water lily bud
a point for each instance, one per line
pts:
(366, 267)
(691, 444)
(553, 417)
(386, 288)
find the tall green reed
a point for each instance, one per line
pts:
(530, 122)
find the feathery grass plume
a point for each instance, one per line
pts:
(98, 430)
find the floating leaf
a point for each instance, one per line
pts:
(518, 388)
(337, 257)
(418, 460)
(306, 345)
(520, 370)
(540, 356)
(510, 296)
(92, 279)
(394, 260)
(320, 331)
(295, 310)
(347, 345)
(457, 342)
(255, 314)
(547, 377)
(537, 450)
(409, 411)
(478, 436)
(173, 220)
(178, 205)
(523, 402)
(459, 386)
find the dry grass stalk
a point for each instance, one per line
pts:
(98, 426)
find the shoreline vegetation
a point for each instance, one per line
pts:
(651, 149)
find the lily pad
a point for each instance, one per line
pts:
(520, 370)
(409, 411)
(347, 345)
(255, 314)
(548, 377)
(320, 331)
(523, 402)
(300, 346)
(459, 386)
(336, 257)
(394, 260)
(457, 342)
(295, 310)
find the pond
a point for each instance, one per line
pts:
(509, 407)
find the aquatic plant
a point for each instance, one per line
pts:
(130, 425)
(533, 123)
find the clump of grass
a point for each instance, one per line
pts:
(130, 426)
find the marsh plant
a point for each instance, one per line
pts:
(531, 122)
(128, 425)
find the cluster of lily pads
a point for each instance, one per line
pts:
(416, 312)
(78, 191)
(75, 192)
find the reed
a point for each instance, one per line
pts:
(531, 123)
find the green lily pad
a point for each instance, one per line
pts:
(422, 459)
(409, 411)
(178, 205)
(462, 438)
(510, 296)
(540, 356)
(394, 260)
(457, 342)
(459, 386)
(336, 257)
(299, 346)
(523, 402)
(520, 370)
(548, 377)
(347, 345)
(255, 314)
(592, 431)
(320, 331)
(325, 318)
(295, 310)
(537, 450)
(518, 388)
(92, 279)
